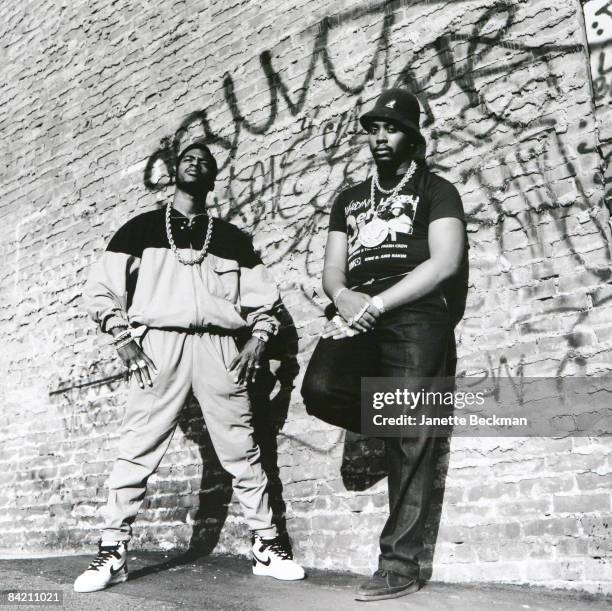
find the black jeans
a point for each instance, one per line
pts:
(405, 343)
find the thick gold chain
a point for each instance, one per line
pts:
(200, 256)
(391, 192)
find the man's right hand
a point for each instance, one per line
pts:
(138, 363)
(350, 303)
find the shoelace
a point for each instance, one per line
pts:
(104, 555)
(380, 573)
(276, 546)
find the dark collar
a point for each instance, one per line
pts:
(174, 213)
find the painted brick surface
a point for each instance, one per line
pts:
(96, 95)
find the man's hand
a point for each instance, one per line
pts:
(138, 363)
(246, 364)
(351, 303)
(336, 328)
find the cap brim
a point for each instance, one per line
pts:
(388, 114)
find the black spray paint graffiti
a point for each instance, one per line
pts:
(87, 401)
(602, 81)
(272, 186)
(521, 146)
(602, 77)
(599, 34)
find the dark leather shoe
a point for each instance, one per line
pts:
(387, 584)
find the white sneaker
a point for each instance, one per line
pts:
(108, 567)
(273, 557)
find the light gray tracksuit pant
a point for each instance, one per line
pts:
(186, 361)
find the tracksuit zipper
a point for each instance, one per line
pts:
(193, 325)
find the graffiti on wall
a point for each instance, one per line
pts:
(505, 139)
(88, 400)
(598, 18)
(493, 123)
(598, 21)
(325, 153)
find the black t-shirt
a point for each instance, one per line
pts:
(424, 199)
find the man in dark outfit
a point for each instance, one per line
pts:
(396, 271)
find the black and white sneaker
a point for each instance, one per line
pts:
(273, 557)
(108, 567)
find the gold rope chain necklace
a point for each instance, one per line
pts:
(200, 255)
(393, 192)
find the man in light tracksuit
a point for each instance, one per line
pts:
(173, 288)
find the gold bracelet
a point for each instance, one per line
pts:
(124, 342)
(120, 336)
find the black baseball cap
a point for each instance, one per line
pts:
(397, 106)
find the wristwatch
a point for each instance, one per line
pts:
(264, 336)
(377, 302)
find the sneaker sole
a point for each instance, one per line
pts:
(115, 580)
(409, 590)
(265, 572)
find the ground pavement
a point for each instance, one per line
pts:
(173, 581)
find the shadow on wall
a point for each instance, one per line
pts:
(215, 487)
(270, 411)
(269, 415)
(363, 461)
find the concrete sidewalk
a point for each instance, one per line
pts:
(174, 581)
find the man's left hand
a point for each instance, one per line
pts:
(248, 362)
(338, 329)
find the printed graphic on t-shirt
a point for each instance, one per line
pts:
(394, 240)
(393, 225)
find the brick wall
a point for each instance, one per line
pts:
(95, 95)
